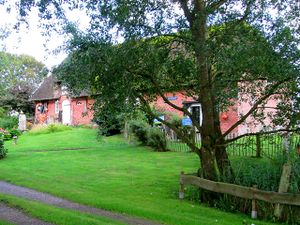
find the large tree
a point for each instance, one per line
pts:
(205, 48)
(20, 76)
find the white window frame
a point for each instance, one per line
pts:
(201, 115)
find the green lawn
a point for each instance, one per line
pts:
(109, 174)
(52, 214)
(4, 223)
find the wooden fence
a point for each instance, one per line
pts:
(254, 146)
(239, 191)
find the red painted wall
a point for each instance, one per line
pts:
(81, 110)
(160, 104)
(227, 118)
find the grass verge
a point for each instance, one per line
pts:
(52, 214)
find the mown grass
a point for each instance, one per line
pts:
(110, 174)
(52, 214)
(2, 222)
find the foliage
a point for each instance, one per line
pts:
(147, 135)
(16, 68)
(16, 98)
(108, 124)
(8, 122)
(3, 151)
(20, 75)
(140, 129)
(15, 132)
(3, 112)
(247, 170)
(46, 129)
(157, 139)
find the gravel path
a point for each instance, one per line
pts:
(31, 194)
(18, 217)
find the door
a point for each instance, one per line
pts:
(196, 111)
(66, 112)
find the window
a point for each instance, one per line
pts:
(42, 107)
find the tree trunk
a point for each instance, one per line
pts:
(213, 156)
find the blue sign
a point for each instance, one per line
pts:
(172, 98)
(186, 121)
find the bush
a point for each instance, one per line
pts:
(46, 129)
(8, 122)
(3, 151)
(157, 139)
(15, 132)
(140, 129)
(5, 134)
(147, 135)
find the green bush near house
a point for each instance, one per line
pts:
(8, 122)
(149, 136)
(3, 151)
(140, 129)
(156, 139)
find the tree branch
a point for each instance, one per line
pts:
(186, 10)
(215, 5)
(255, 105)
(182, 109)
(261, 133)
(179, 133)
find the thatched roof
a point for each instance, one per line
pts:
(49, 89)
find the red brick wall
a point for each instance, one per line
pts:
(50, 112)
(160, 104)
(81, 110)
(227, 118)
(78, 113)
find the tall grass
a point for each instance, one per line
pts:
(47, 129)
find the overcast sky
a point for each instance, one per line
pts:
(30, 41)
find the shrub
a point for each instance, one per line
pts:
(8, 122)
(15, 132)
(140, 129)
(156, 139)
(147, 135)
(5, 134)
(46, 129)
(3, 151)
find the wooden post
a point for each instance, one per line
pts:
(181, 187)
(258, 146)
(283, 187)
(254, 206)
